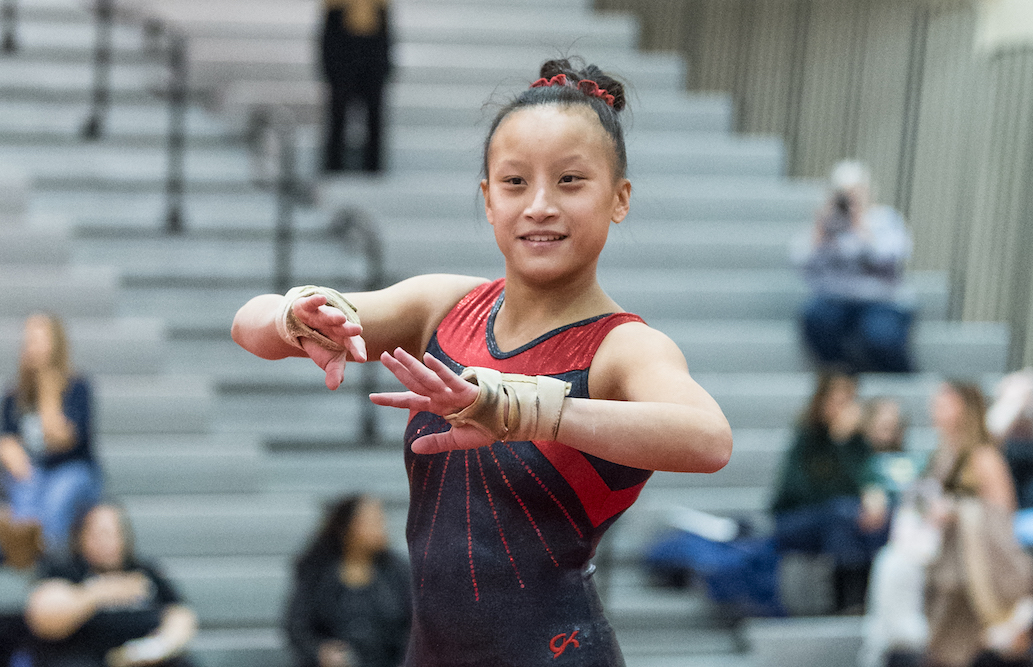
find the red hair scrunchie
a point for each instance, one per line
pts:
(592, 89)
(558, 80)
(586, 86)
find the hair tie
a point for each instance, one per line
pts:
(558, 80)
(586, 86)
(592, 89)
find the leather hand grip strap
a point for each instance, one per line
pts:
(511, 406)
(292, 330)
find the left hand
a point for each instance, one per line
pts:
(433, 387)
(137, 653)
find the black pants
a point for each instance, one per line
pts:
(341, 97)
(14, 635)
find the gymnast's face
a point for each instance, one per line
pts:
(551, 193)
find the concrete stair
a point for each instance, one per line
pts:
(224, 460)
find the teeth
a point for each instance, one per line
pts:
(543, 238)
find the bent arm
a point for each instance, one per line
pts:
(402, 315)
(178, 627)
(654, 415)
(57, 608)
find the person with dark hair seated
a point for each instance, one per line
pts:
(818, 504)
(105, 608)
(351, 604)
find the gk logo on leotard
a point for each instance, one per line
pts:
(560, 643)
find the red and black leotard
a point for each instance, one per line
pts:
(500, 537)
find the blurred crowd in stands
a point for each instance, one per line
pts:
(91, 601)
(932, 546)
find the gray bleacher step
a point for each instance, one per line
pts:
(25, 245)
(50, 38)
(144, 404)
(214, 61)
(556, 26)
(14, 195)
(774, 400)
(949, 348)
(233, 592)
(171, 465)
(246, 524)
(15, 586)
(63, 76)
(318, 415)
(27, 122)
(98, 345)
(69, 291)
(326, 473)
(651, 293)
(240, 647)
(660, 197)
(737, 295)
(464, 106)
(805, 641)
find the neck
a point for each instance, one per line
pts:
(530, 310)
(356, 569)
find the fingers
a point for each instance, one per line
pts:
(400, 399)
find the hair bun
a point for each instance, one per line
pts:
(551, 68)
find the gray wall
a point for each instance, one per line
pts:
(947, 129)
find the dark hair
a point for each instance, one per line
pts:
(327, 546)
(79, 525)
(814, 416)
(571, 95)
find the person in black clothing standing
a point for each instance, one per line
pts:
(351, 604)
(356, 61)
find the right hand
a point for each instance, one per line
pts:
(14, 457)
(118, 589)
(333, 324)
(335, 653)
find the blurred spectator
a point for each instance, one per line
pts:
(979, 602)
(817, 505)
(351, 604)
(356, 59)
(893, 468)
(49, 471)
(856, 319)
(1010, 422)
(103, 607)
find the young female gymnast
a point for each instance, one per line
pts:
(564, 405)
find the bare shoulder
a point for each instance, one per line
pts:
(988, 460)
(633, 360)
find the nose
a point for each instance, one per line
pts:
(541, 207)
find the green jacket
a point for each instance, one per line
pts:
(816, 469)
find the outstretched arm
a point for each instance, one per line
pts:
(653, 414)
(403, 315)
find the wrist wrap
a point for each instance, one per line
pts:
(292, 330)
(511, 406)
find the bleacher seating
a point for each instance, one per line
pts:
(224, 459)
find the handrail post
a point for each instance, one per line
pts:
(94, 125)
(8, 19)
(177, 93)
(285, 194)
(350, 224)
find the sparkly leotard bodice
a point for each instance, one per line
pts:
(500, 537)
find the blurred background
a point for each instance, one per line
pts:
(162, 161)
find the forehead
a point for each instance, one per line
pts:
(551, 131)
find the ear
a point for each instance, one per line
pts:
(487, 201)
(621, 200)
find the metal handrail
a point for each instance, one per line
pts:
(101, 98)
(175, 176)
(352, 228)
(8, 20)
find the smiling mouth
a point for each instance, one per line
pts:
(543, 238)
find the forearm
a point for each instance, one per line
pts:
(254, 328)
(178, 627)
(56, 609)
(648, 435)
(58, 430)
